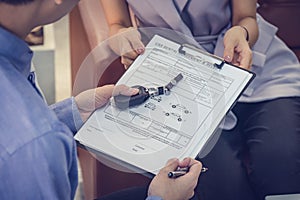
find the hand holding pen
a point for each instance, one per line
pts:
(179, 188)
(180, 171)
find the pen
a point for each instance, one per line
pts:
(182, 171)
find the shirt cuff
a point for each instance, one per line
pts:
(154, 198)
(68, 113)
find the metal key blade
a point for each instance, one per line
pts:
(174, 81)
(165, 89)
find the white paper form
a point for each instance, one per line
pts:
(166, 126)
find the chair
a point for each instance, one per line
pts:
(284, 14)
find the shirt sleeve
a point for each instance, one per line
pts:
(68, 113)
(154, 198)
(45, 168)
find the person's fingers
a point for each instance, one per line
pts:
(126, 67)
(195, 164)
(127, 61)
(138, 46)
(92, 99)
(192, 194)
(228, 52)
(124, 90)
(195, 168)
(131, 43)
(125, 47)
(140, 50)
(102, 94)
(130, 55)
(128, 45)
(235, 59)
(189, 162)
(185, 162)
(246, 59)
(229, 45)
(171, 165)
(105, 91)
(135, 39)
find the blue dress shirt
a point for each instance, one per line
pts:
(154, 198)
(37, 151)
(38, 158)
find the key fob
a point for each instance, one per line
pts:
(123, 102)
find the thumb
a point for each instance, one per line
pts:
(91, 99)
(228, 53)
(102, 94)
(229, 45)
(138, 46)
(105, 91)
(135, 40)
(124, 90)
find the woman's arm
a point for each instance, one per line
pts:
(242, 35)
(244, 14)
(117, 15)
(128, 42)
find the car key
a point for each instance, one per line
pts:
(123, 102)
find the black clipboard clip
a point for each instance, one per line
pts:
(218, 66)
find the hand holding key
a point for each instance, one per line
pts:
(123, 102)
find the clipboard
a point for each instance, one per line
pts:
(181, 124)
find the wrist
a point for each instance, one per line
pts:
(246, 32)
